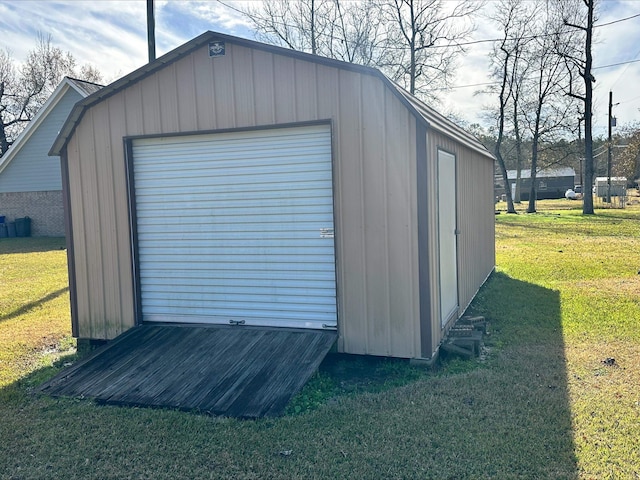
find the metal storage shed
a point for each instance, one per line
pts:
(233, 182)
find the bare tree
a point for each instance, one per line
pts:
(430, 33)
(627, 162)
(415, 42)
(519, 72)
(348, 31)
(502, 62)
(23, 90)
(580, 15)
(546, 112)
(514, 18)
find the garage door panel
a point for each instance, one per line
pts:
(238, 276)
(303, 245)
(237, 226)
(242, 309)
(238, 191)
(260, 319)
(220, 201)
(215, 165)
(206, 238)
(237, 173)
(252, 252)
(265, 285)
(243, 197)
(211, 211)
(233, 146)
(251, 181)
(170, 266)
(241, 302)
(220, 219)
(230, 289)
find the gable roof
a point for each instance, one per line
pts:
(544, 173)
(83, 88)
(423, 114)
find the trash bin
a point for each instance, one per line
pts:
(3, 230)
(11, 229)
(23, 227)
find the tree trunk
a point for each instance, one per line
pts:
(516, 128)
(533, 193)
(412, 47)
(313, 27)
(587, 194)
(4, 142)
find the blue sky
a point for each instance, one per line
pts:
(111, 35)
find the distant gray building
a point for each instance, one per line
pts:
(30, 180)
(551, 182)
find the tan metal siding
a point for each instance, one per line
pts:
(167, 84)
(401, 236)
(187, 108)
(76, 201)
(354, 333)
(374, 174)
(92, 232)
(373, 204)
(118, 129)
(151, 111)
(107, 220)
(305, 84)
(284, 88)
(264, 91)
(475, 220)
(203, 87)
(477, 239)
(243, 94)
(134, 113)
(224, 85)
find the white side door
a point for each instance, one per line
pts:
(447, 227)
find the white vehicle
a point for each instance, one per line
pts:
(570, 194)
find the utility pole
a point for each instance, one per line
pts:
(609, 148)
(151, 31)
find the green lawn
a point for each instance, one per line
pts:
(565, 297)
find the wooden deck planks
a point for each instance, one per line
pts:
(234, 371)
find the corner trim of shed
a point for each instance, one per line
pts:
(426, 337)
(68, 226)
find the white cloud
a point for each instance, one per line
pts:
(111, 35)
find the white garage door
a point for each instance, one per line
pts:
(237, 228)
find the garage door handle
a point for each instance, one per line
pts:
(236, 322)
(326, 233)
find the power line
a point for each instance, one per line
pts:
(496, 83)
(617, 64)
(617, 21)
(453, 45)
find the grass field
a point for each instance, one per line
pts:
(558, 395)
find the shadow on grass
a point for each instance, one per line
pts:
(31, 244)
(507, 417)
(26, 308)
(528, 383)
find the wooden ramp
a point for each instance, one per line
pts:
(247, 372)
